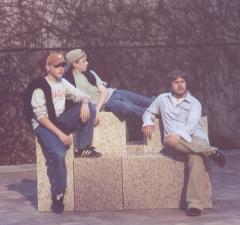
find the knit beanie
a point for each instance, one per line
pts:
(74, 55)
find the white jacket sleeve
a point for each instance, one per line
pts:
(38, 103)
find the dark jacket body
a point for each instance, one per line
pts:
(39, 82)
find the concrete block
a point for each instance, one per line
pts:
(137, 149)
(153, 146)
(98, 183)
(204, 123)
(43, 185)
(157, 181)
(110, 135)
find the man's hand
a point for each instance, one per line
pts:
(148, 131)
(84, 112)
(172, 139)
(65, 139)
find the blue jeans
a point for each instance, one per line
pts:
(126, 104)
(55, 151)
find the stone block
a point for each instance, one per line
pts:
(137, 149)
(204, 123)
(98, 183)
(110, 135)
(43, 185)
(153, 146)
(157, 181)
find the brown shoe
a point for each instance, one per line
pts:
(193, 212)
(219, 158)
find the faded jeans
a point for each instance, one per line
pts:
(126, 104)
(55, 151)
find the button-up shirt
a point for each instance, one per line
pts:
(179, 117)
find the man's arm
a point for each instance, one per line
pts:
(103, 95)
(38, 103)
(101, 85)
(149, 117)
(78, 96)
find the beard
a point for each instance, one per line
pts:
(180, 93)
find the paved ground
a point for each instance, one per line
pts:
(18, 202)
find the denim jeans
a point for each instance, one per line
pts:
(126, 104)
(55, 151)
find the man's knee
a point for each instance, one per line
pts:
(177, 146)
(170, 144)
(56, 158)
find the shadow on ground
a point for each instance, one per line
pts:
(28, 188)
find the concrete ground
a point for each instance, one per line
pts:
(18, 202)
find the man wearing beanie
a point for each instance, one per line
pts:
(124, 104)
(45, 107)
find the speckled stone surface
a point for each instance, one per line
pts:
(204, 123)
(135, 148)
(43, 185)
(110, 134)
(156, 181)
(152, 146)
(98, 184)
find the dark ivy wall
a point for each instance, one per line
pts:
(131, 45)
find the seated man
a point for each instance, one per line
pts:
(45, 104)
(124, 104)
(181, 113)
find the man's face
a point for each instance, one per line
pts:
(179, 87)
(56, 71)
(81, 64)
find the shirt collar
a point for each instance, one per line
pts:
(188, 97)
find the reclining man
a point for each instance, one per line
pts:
(181, 113)
(125, 104)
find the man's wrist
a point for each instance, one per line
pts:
(85, 101)
(97, 109)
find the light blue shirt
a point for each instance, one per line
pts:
(182, 118)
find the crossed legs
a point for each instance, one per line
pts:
(197, 151)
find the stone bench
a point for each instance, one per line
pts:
(132, 182)
(125, 177)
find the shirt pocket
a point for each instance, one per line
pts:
(183, 111)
